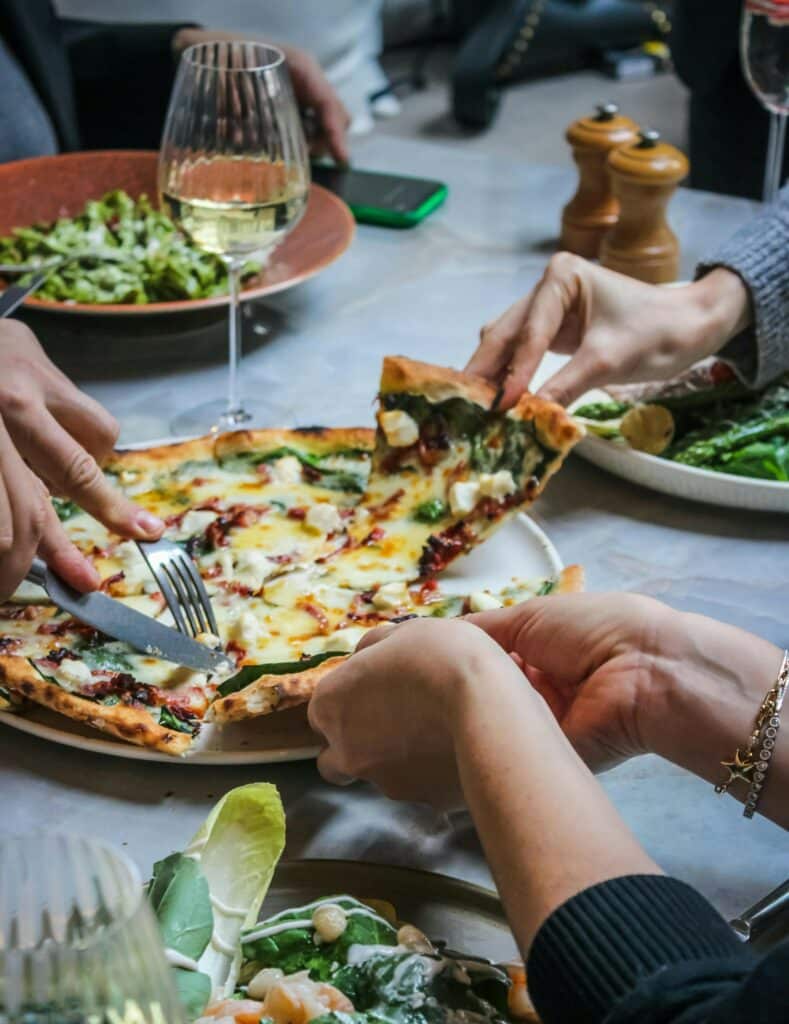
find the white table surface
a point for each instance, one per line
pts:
(424, 293)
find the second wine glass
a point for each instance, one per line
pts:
(234, 176)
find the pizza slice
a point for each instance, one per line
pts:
(278, 684)
(447, 470)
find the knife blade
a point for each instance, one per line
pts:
(141, 632)
(16, 294)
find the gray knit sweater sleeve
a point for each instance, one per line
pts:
(759, 253)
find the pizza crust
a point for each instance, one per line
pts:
(134, 725)
(571, 580)
(271, 693)
(436, 383)
(554, 427)
(321, 440)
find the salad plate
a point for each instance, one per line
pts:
(42, 190)
(693, 483)
(520, 548)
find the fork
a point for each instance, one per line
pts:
(15, 295)
(181, 585)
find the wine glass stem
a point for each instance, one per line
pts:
(234, 410)
(775, 156)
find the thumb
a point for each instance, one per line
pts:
(575, 378)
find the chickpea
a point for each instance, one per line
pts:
(414, 940)
(264, 980)
(329, 921)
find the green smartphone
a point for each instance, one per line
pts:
(392, 200)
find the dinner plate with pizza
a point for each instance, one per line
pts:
(305, 539)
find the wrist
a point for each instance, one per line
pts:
(720, 308)
(705, 696)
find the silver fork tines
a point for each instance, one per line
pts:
(181, 586)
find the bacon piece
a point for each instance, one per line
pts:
(284, 559)
(317, 613)
(108, 585)
(440, 549)
(297, 512)
(377, 533)
(386, 507)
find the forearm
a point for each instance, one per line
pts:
(547, 827)
(702, 708)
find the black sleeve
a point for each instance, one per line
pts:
(705, 38)
(647, 949)
(122, 77)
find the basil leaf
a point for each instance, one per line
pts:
(546, 587)
(178, 893)
(65, 509)
(431, 511)
(107, 657)
(250, 673)
(170, 721)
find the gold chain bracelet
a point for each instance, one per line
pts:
(752, 763)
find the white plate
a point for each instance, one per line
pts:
(518, 549)
(672, 477)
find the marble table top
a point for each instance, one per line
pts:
(315, 354)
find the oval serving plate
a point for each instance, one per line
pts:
(668, 477)
(467, 917)
(42, 189)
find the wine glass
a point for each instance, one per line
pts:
(78, 940)
(764, 47)
(234, 175)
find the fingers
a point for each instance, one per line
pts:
(583, 372)
(334, 120)
(57, 457)
(23, 509)
(327, 766)
(87, 421)
(63, 557)
(493, 354)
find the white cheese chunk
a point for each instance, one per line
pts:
(72, 674)
(344, 641)
(391, 596)
(323, 518)
(497, 485)
(195, 521)
(482, 601)
(209, 639)
(252, 567)
(249, 630)
(286, 470)
(290, 586)
(135, 569)
(399, 428)
(463, 496)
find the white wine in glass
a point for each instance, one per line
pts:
(764, 48)
(234, 176)
(78, 940)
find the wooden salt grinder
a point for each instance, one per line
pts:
(643, 177)
(593, 210)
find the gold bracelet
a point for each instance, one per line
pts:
(752, 763)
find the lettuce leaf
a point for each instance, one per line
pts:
(204, 897)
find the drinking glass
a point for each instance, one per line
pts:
(764, 47)
(78, 940)
(234, 175)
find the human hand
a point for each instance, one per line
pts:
(616, 329)
(52, 438)
(386, 714)
(626, 675)
(313, 91)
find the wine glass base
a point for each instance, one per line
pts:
(215, 418)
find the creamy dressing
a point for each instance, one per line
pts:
(176, 959)
(227, 910)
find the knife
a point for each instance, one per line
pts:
(756, 917)
(141, 632)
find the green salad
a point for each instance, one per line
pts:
(140, 256)
(722, 427)
(335, 960)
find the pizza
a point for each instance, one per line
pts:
(305, 540)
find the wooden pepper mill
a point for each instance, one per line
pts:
(644, 176)
(593, 210)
